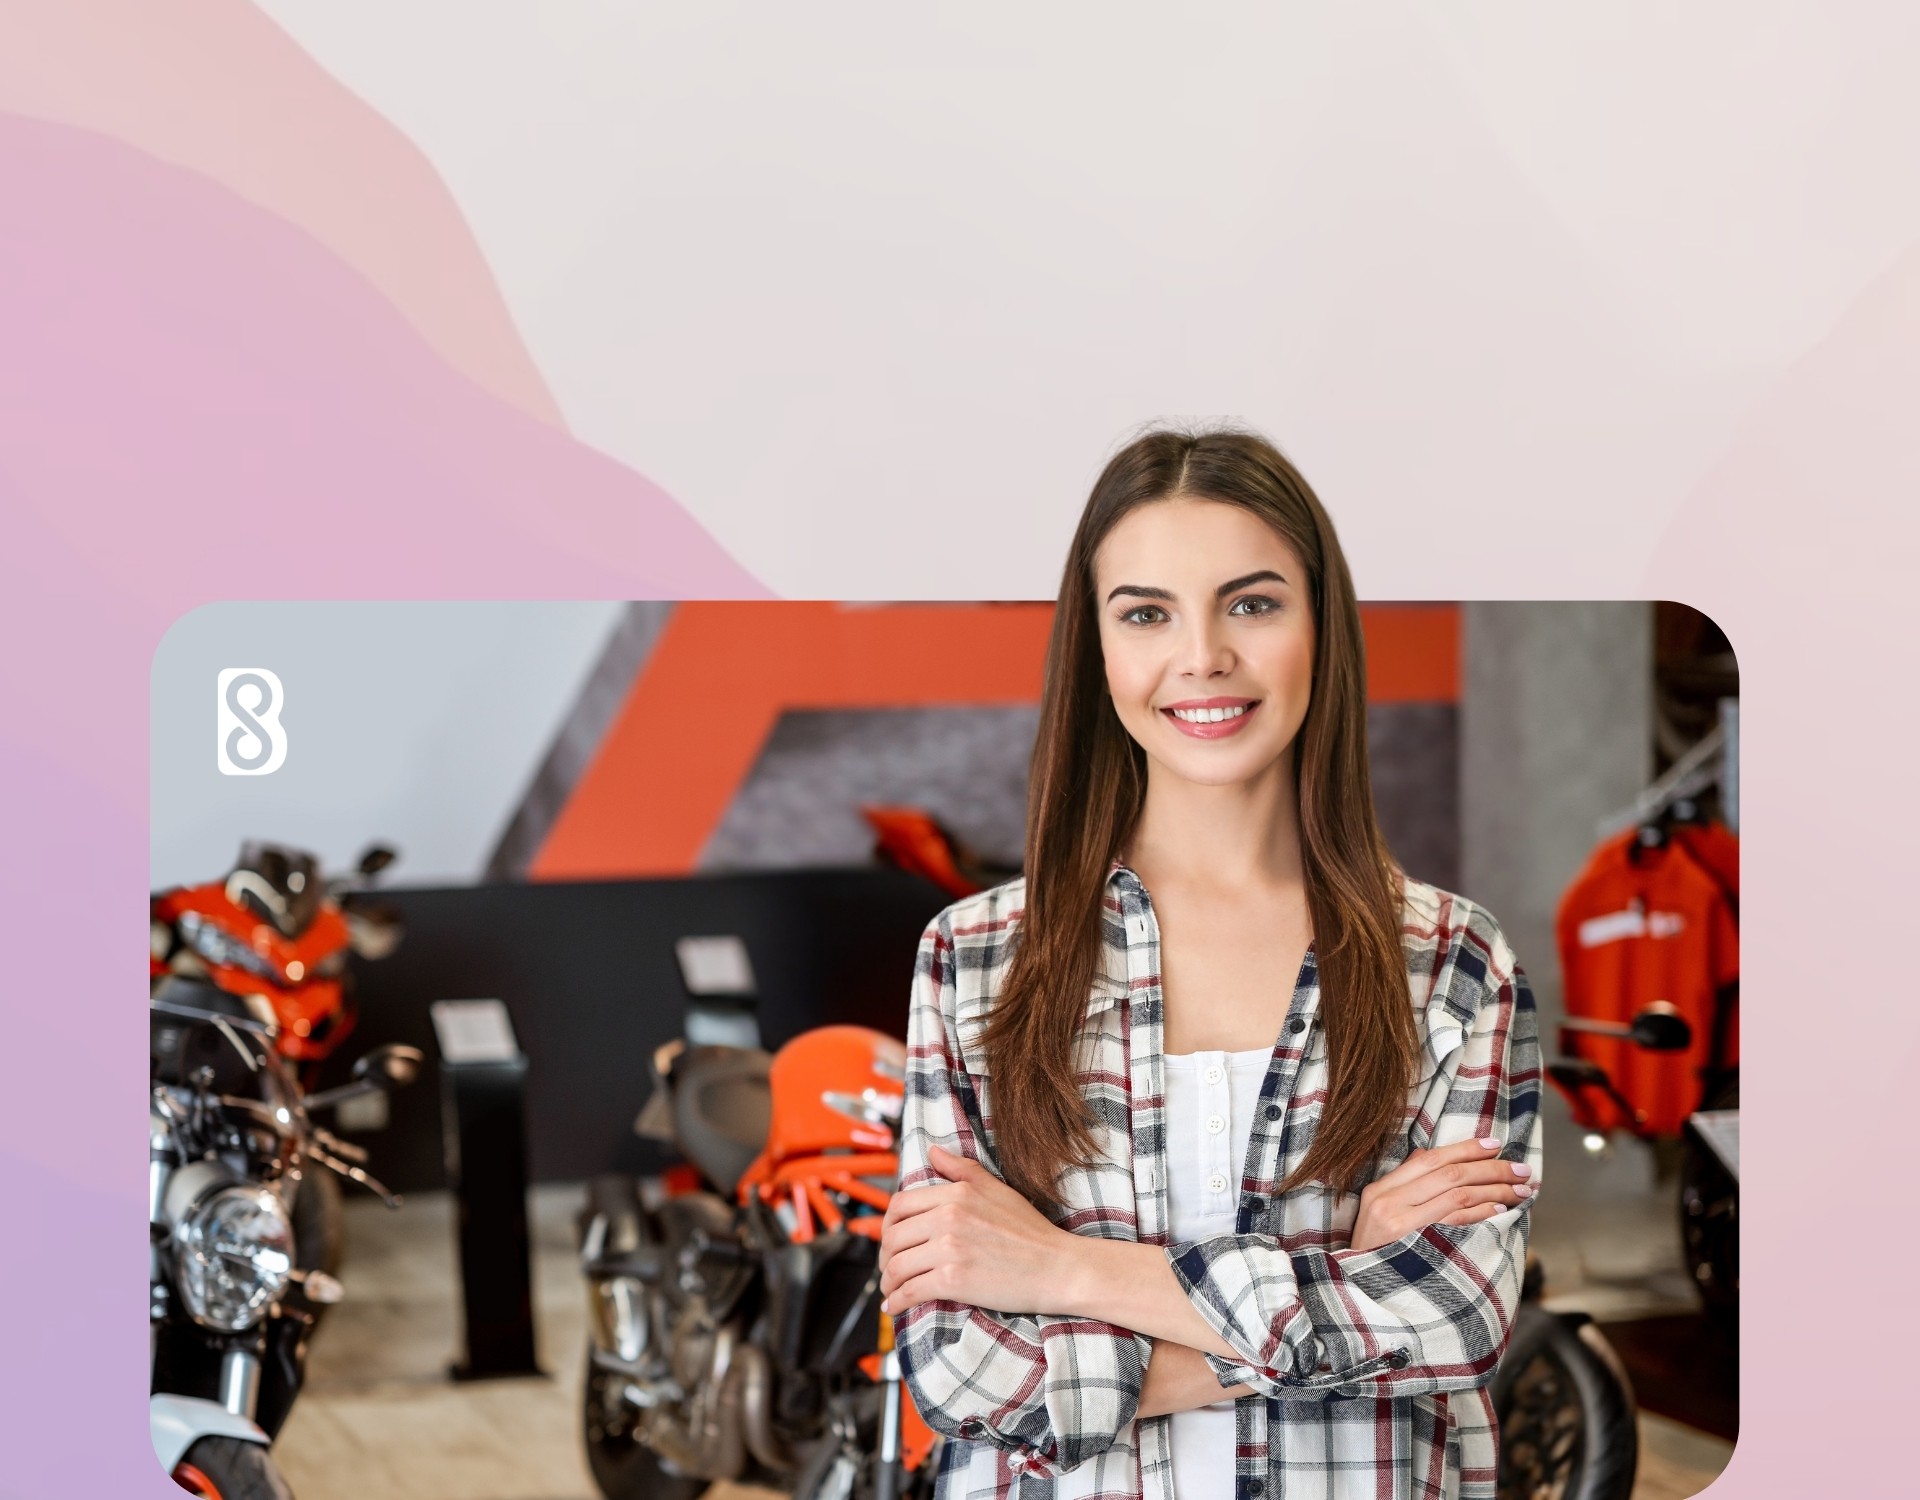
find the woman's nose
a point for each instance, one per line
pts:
(1204, 651)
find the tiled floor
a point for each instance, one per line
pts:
(380, 1420)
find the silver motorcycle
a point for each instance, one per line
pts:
(230, 1139)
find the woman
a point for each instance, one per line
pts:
(1222, 1191)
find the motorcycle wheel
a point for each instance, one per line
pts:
(1709, 1220)
(1566, 1413)
(623, 1467)
(319, 1222)
(221, 1468)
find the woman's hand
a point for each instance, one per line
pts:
(1457, 1184)
(971, 1239)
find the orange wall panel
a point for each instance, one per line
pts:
(722, 673)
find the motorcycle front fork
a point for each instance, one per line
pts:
(239, 1368)
(886, 1477)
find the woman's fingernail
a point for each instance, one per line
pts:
(1524, 1189)
(1491, 1142)
(1520, 1169)
(883, 1305)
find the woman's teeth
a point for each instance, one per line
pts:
(1207, 715)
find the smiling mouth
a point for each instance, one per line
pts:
(1213, 721)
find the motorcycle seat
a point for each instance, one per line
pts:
(722, 1110)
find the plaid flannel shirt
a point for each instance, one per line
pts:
(1369, 1367)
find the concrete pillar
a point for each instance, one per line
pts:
(1556, 731)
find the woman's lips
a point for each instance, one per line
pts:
(1216, 730)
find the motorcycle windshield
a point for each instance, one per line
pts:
(281, 885)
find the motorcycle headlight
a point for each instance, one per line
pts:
(221, 948)
(235, 1257)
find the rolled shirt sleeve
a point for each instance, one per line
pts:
(1429, 1312)
(1050, 1391)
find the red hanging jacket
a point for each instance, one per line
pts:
(1639, 925)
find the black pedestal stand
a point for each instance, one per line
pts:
(485, 1126)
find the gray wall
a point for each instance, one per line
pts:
(1556, 733)
(417, 724)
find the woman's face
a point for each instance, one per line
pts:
(1206, 623)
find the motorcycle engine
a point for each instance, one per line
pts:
(712, 1406)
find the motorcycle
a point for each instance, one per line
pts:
(1565, 1407)
(734, 1303)
(1562, 1395)
(231, 1137)
(274, 926)
(1710, 1201)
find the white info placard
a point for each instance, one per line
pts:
(473, 1031)
(714, 965)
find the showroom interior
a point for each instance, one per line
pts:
(611, 824)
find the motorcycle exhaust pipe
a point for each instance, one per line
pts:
(757, 1409)
(725, 1435)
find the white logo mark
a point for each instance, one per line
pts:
(253, 741)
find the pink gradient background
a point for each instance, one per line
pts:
(252, 350)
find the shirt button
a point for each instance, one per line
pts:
(1297, 1025)
(972, 1427)
(1397, 1358)
(1217, 1183)
(1214, 1075)
(1254, 1486)
(1273, 1111)
(1215, 1124)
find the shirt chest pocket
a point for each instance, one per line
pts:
(1434, 1066)
(1310, 1081)
(1281, 1143)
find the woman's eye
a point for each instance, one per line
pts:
(1131, 617)
(1266, 606)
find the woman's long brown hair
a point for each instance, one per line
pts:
(1087, 785)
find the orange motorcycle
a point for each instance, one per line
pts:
(275, 926)
(735, 1302)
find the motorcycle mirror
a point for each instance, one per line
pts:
(373, 931)
(1577, 1073)
(376, 858)
(1661, 1028)
(391, 1066)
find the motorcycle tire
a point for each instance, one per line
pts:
(223, 1468)
(319, 1222)
(1709, 1219)
(1566, 1413)
(623, 1467)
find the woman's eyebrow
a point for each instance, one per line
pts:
(1265, 575)
(1146, 591)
